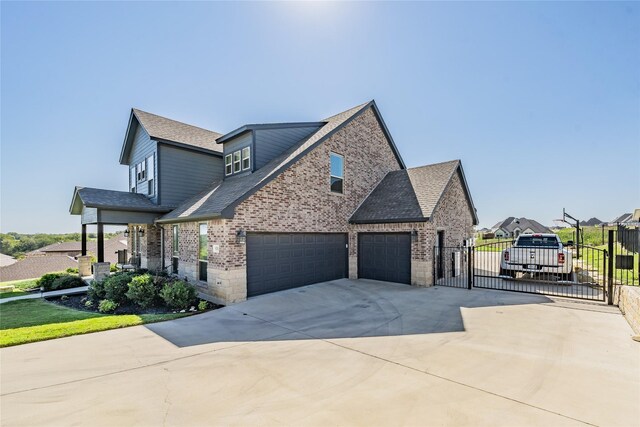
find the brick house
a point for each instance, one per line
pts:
(269, 207)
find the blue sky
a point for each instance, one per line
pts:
(541, 101)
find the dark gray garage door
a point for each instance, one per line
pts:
(278, 261)
(385, 256)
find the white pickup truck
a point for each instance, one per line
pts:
(537, 253)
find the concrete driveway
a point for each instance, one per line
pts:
(340, 353)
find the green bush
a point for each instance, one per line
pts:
(96, 291)
(46, 281)
(88, 304)
(72, 270)
(142, 291)
(113, 268)
(67, 281)
(178, 294)
(203, 305)
(116, 287)
(107, 306)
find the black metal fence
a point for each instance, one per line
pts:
(452, 266)
(624, 263)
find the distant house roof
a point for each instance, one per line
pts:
(410, 195)
(623, 218)
(6, 260)
(116, 243)
(503, 224)
(220, 199)
(167, 130)
(114, 200)
(32, 267)
(526, 223)
(591, 222)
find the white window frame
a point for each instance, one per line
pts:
(238, 161)
(336, 176)
(246, 158)
(228, 164)
(133, 179)
(151, 167)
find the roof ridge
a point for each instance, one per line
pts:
(435, 164)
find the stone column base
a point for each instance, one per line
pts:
(353, 267)
(227, 286)
(421, 273)
(101, 270)
(84, 265)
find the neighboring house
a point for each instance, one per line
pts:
(269, 207)
(622, 219)
(593, 222)
(512, 227)
(74, 249)
(6, 260)
(32, 267)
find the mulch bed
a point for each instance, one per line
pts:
(77, 303)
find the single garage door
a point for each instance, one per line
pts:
(278, 261)
(385, 256)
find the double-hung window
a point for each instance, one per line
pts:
(228, 167)
(132, 179)
(337, 173)
(246, 158)
(236, 161)
(175, 250)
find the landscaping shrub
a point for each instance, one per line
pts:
(113, 268)
(96, 291)
(116, 287)
(203, 305)
(67, 281)
(72, 270)
(142, 291)
(88, 304)
(107, 306)
(178, 294)
(46, 281)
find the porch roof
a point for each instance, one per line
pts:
(98, 206)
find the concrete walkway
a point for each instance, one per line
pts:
(340, 353)
(35, 295)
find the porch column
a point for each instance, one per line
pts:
(100, 243)
(84, 240)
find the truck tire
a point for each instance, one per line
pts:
(509, 273)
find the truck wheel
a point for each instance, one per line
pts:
(509, 273)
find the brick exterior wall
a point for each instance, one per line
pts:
(300, 200)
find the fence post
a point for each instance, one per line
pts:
(610, 271)
(469, 267)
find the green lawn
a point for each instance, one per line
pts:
(22, 285)
(625, 277)
(14, 293)
(33, 320)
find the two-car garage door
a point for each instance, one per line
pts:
(279, 261)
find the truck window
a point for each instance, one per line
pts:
(538, 241)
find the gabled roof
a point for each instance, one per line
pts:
(623, 218)
(167, 130)
(114, 200)
(411, 195)
(503, 224)
(526, 223)
(222, 196)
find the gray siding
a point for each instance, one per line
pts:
(237, 143)
(184, 173)
(143, 147)
(123, 217)
(89, 215)
(273, 142)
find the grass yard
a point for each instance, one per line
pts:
(34, 320)
(625, 277)
(20, 287)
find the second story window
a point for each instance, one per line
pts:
(151, 167)
(132, 179)
(141, 170)
(236, 161)
(337, 173)
(246, 158)
(228, 169)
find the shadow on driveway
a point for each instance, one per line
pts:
(338, 309)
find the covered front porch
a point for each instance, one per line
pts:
(120, 208)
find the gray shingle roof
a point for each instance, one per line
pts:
(524, 223)
(159, 127)
(118, 200)
(409, 195)
(503, 224)
(116, 243)
(223, 195)
(33, 267)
